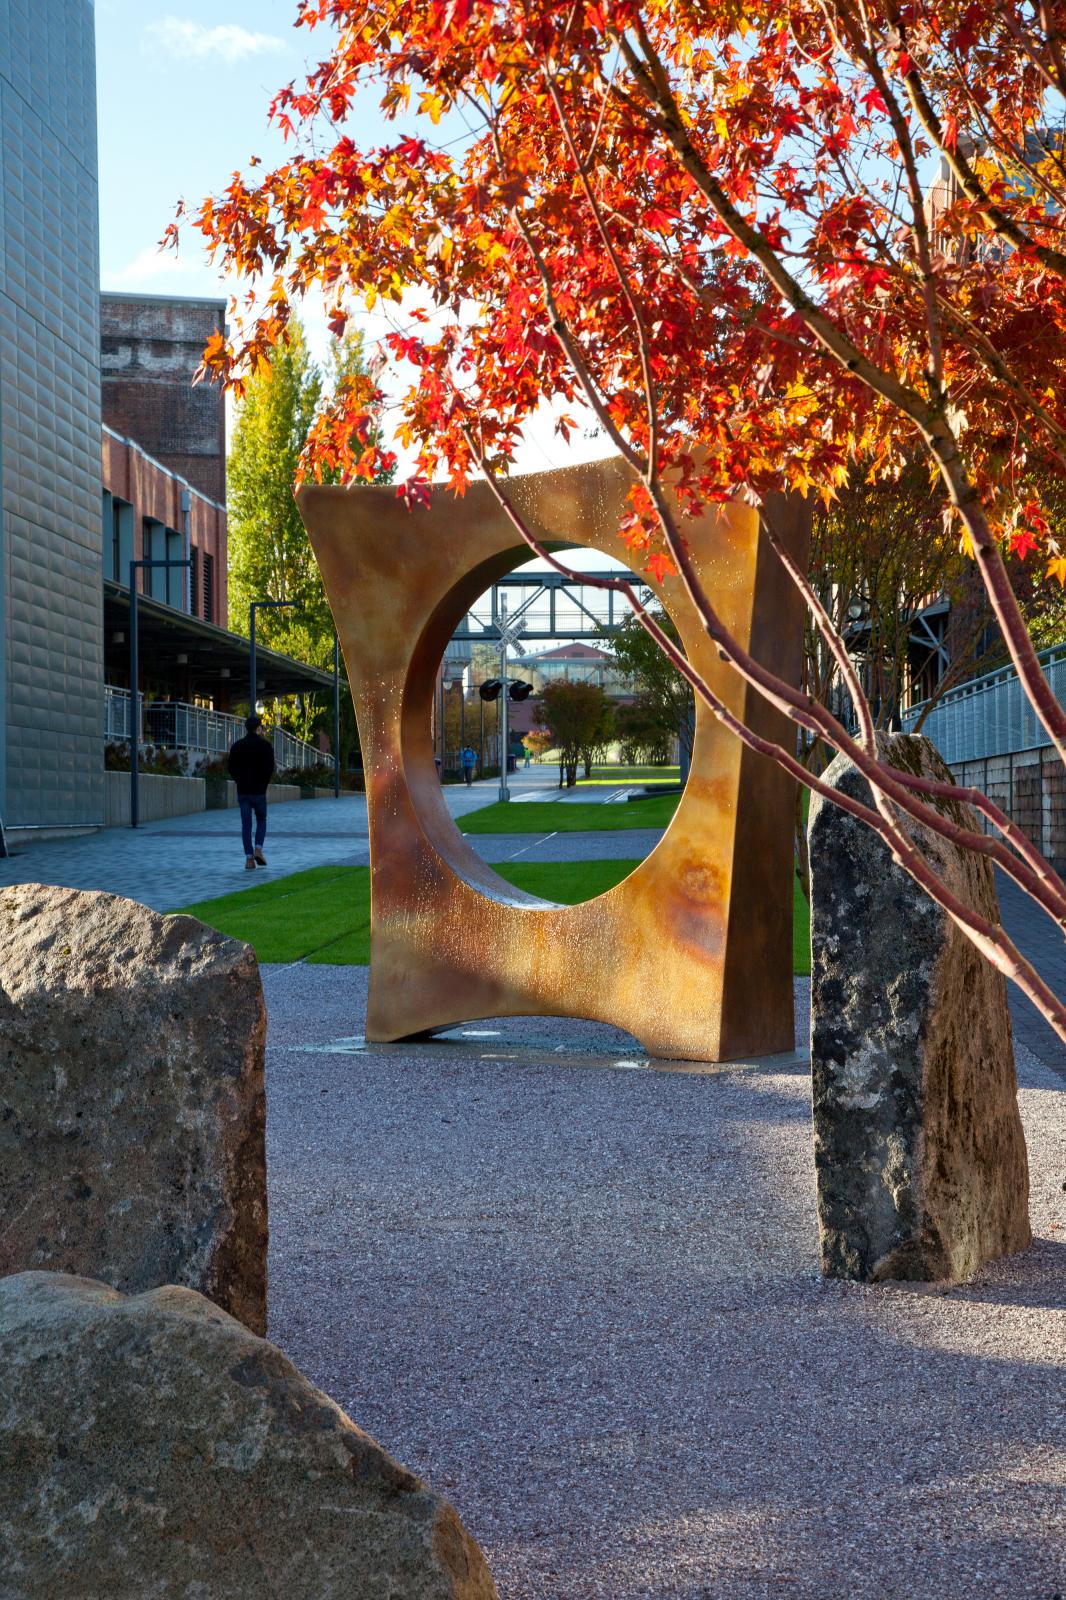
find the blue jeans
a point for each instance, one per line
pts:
(253, 805)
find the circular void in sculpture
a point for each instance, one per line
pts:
(556, 836)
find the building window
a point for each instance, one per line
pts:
(194, 582)
(153, 548)
(175, 576)
(119, 537)
(109, 525)
(209, 588)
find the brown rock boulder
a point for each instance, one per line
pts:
(170, 1453)
(919, 1153)
(132, 1103)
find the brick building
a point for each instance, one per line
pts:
(150, 347)
(151, 512)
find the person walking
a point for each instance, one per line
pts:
(251, 766)
(469, 762)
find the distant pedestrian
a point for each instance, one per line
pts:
(469, 761)
(526, 748)
(251, 766)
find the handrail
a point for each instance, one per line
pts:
(177, 725)
(990, 715)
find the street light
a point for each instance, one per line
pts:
(509, 633)
(336, 716)
(257, 605)
(135, 698)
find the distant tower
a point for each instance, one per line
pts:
(51, 534)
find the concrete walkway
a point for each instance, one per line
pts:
(185, 859)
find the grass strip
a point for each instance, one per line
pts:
(323, 915)
(570, 816)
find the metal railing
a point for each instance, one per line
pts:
(990, 715)
(203, 734)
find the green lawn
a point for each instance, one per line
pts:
(324, 915)
(570, 816)
(609, 774)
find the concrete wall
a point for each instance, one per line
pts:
(157, 797)
(150, 348)
(1030, 787)
(51, 612)
(221, 796)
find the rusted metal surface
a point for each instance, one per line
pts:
(692, 953)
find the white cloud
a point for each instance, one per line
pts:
(198, 41)
(151, 264)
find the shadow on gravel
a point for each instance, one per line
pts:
(1035, 1277)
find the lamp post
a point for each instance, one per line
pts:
(135, 698)
(336, 716)
(257, 605)
(509, 635)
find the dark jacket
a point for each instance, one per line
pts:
(251, 764)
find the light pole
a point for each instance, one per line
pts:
(509, 635)
(336, 716)
(135, 667)
(257, 605)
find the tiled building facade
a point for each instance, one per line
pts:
(51, 652)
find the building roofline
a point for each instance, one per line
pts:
(164, 299)
(212, 633)
(141, 451)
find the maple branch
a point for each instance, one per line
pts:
(996, 218)
(869, 59)
(988, 937)
(1054, 41)
(829, 632)
(997, 365)
(1054, 902)
(930, 419)
(623, 280)
(1022, 39)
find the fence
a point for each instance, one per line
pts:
(990, 715)
(198, 732)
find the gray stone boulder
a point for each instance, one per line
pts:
(920, 1158)
(151, 1448)
(132, 1102)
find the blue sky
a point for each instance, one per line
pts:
(182, 94)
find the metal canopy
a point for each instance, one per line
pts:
(216, 661)
(550, 607)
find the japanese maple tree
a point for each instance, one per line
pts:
(754, 241)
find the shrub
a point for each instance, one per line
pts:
(156, 759)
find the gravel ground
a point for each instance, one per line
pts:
(584, 1301)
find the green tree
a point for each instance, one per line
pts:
(642, 732)
(580, 719)
(667, 704)
(270, 556)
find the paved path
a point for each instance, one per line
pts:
(185, 859)
(584, 1302)
(1038, 939)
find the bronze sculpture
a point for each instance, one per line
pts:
(692, 953)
